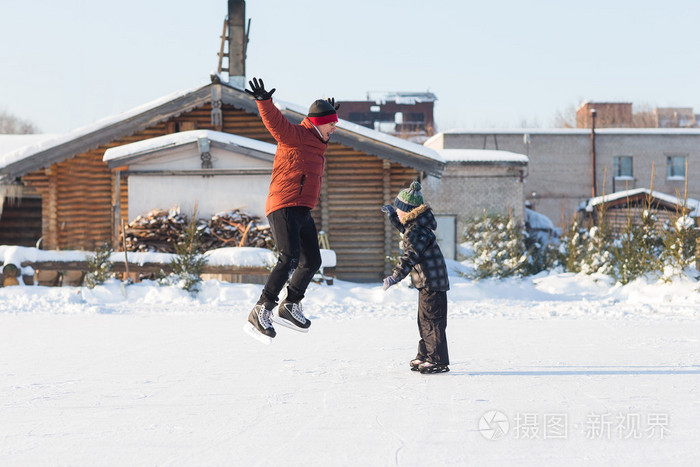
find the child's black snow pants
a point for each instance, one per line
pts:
(432, 322)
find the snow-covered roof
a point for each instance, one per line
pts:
(692, 204)
(538, 221)
(40, 145)
(182, 138)
(9, 144)
(400, 97)
(570, 131)
(481, 155)
(46, 152)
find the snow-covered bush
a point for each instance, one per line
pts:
(587, 250)
(637, 249)
(573, 248)
(680, 246)
(498, 246)
(598, 256)
(541, 242)
(642, 248)
(99, 266)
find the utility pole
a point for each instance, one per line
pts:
(593, 173)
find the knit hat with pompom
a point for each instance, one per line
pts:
(410, 198)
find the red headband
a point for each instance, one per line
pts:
(323, 120)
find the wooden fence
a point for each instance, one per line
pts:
(72, 273)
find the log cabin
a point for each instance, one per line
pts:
(82, 199)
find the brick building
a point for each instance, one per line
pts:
(561, 170)
(607, 115)
(620, 115)
(475, 182)
(408, 115)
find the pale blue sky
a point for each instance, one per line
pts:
(64, 64)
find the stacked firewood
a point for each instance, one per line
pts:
(160, 230)
(236, 228)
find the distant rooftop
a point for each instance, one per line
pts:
(481, 155)
(408, 98)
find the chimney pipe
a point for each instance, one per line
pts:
(237, 42)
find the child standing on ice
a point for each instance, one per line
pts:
(423, 259)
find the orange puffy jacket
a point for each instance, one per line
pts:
(297, 171)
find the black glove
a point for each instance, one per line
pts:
(331, 101)
(258, 90)
(389, 210)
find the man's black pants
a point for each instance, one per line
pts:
(294, 232)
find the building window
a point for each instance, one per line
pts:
(416, 117)
(623, 167)
(675, 167)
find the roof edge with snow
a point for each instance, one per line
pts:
(106, 130)
(569, 131)
(692, 205)
(482, 156)
(128, 152)
(371, 141)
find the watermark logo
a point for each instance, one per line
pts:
(494, 425)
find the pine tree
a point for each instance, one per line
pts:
(189, 261)
(573, 248)
(637, 249)
(498, 246)
(598, 244)
(680, 246)
(680, 240)
(99, 266)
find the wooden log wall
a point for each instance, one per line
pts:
(617, 218)
(357, 189)
(356, 228)
(79, 194)
(77, 197)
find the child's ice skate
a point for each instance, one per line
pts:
(429, 368)
(415, 364)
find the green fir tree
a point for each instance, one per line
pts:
(637, 249)
(680, 242)
(99, 266)
(574, 247)
(189, 262)
(498, 247)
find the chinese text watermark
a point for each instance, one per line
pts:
(495, 425)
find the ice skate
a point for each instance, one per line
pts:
(259, 325)
(429, 368)
(415, 364)
(290, 315)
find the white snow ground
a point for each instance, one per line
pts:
(577, 371)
